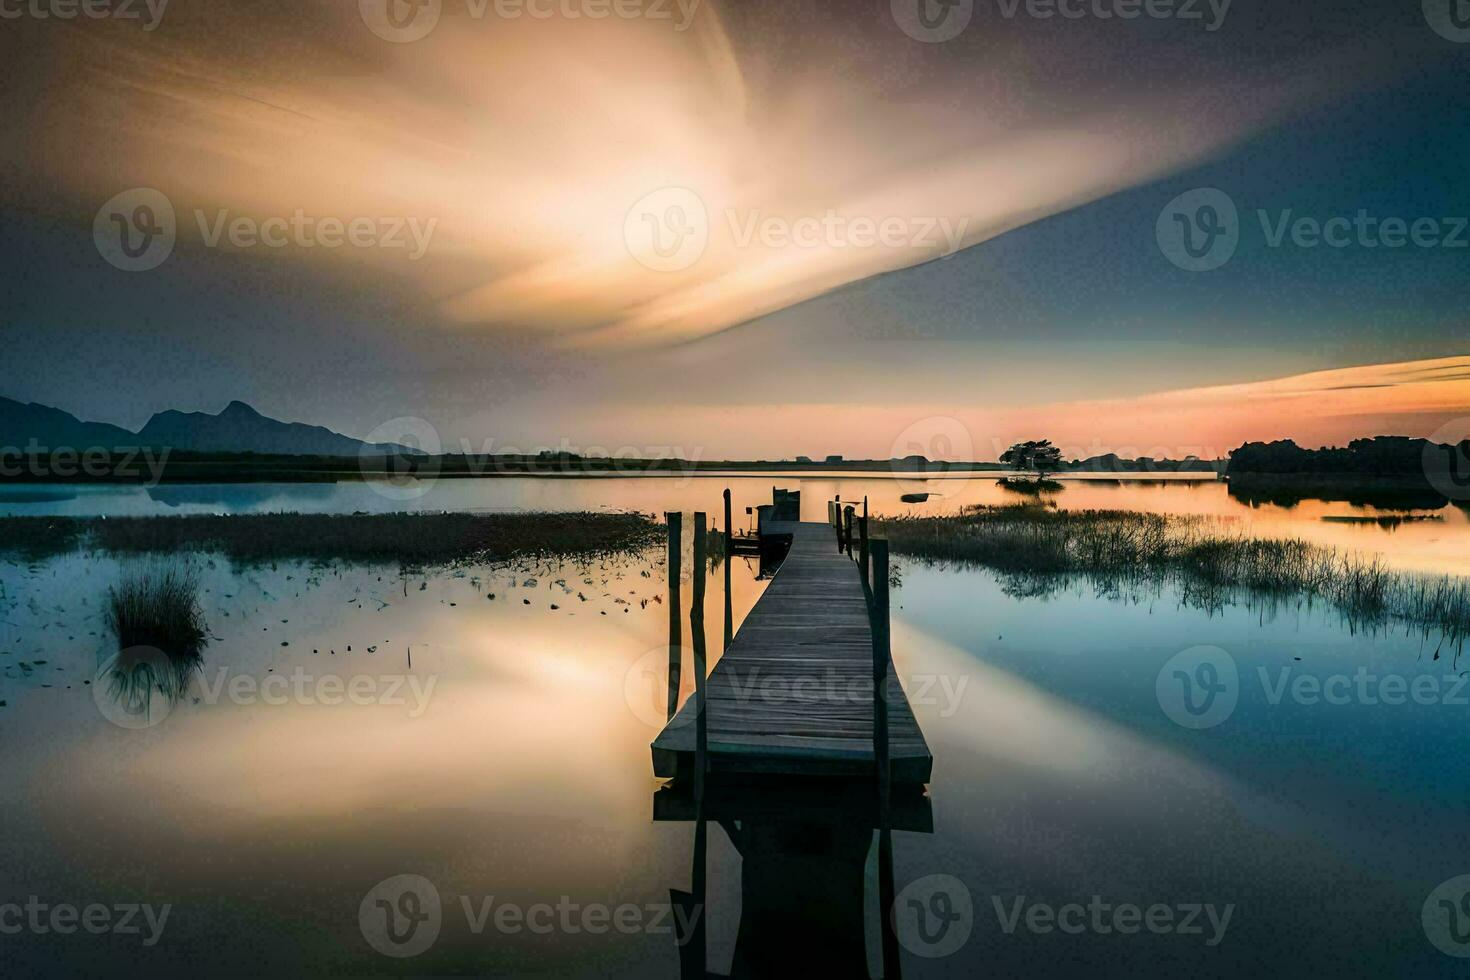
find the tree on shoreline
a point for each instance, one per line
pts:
(1039, 456)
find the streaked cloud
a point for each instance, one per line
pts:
(529, 141)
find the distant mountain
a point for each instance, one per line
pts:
(24, 424)
(237, 429)
(241, 429)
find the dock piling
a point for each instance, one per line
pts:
(676, 553)
(729, 552)
(696, 640)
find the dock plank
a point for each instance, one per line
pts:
(793, 694)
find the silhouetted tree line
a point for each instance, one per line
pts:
(1379, 456)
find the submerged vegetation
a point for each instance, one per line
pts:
(1036, 546)
(410, 539)
(155, 617)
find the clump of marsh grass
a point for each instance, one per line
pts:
(1209, 559)
(160, 632)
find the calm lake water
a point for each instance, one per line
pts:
(1319, 807)
(1422, 531)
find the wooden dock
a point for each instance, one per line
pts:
(795, 692)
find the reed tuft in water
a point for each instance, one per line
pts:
(155, 617)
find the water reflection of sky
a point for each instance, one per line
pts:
(526, 775)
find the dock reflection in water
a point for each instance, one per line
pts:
(804, 847)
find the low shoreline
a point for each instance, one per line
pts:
(408, 539)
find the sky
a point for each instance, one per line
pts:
(744, 229)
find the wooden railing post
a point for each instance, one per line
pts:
(729, 551)
(676, 554)
(881, 657)
(863, 550)
(696, 639)
(847, 515)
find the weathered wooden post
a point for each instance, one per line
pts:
(847, 515)
(881, 658)
(676, 553)
(729, 550)
(696, 640)
(863, 549)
